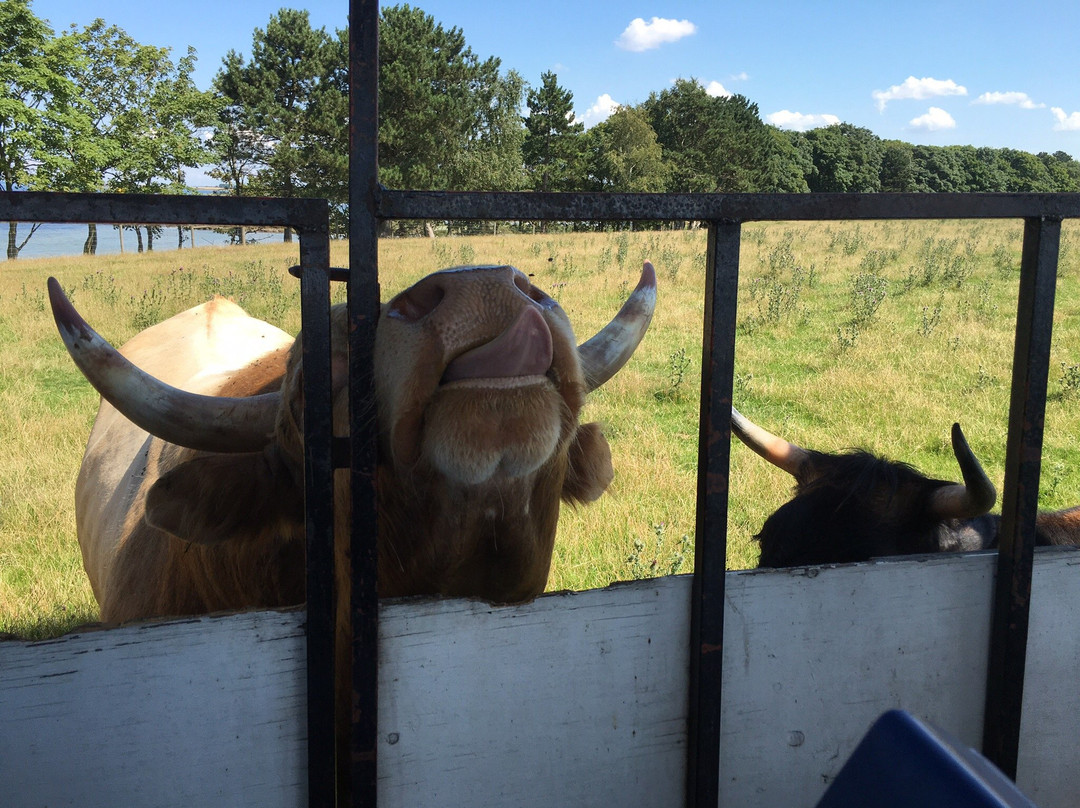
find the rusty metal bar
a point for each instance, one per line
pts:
(318, 512)
(143, 209)
(719, 207)
(1020, 499)
(710, 549)
(363, 316)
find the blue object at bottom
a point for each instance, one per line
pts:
(904, 763)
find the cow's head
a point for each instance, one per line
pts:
(479, 383)
(855, 506)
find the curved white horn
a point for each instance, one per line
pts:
(782, 454)
(603, 355)
(211, 423)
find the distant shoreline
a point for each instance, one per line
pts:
(53, 240)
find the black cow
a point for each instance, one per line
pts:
(855, 506)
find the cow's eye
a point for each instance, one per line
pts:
(416, 303)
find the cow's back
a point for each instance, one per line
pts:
(201, 350)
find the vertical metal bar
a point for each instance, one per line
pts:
(710, 551)
(1016, 539)
(363, 316)
(319, 511)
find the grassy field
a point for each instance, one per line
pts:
(873, 334)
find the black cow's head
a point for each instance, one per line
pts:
(855, 506)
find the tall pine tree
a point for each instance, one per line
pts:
(286, 109)
(554, 147)
(447, 119)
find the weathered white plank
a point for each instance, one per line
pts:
(810, 662)
(575, 699)
(199, 712)
(572, 699)
(1048, 770)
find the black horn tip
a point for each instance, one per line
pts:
(981, 491)
(64, 312)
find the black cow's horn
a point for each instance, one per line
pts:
(605, 354)
(782, 454)
(975, 497)
(211, 423)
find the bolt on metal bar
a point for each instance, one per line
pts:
(1020, 499)
(710, 547)
(363, 302)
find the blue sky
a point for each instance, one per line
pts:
(940, 73)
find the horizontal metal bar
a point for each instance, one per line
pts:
(163, 209)
(718, 207)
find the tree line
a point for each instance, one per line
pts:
(90, 109)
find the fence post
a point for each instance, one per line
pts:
(1020, 499)
(363, 316)
(710, 550)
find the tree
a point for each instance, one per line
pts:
(625, 154)
(447, 119)
(1025, 172)
(553, 147)
(1064, 170)
(938, 169)
(787, 163)
(159, 133)
(137, 119)
(981, 168)
(237, 146)
(846, 158)
(286, 111)
(36, 92)
(491, 157)
(897, 167)
(324, 146)
(712, 144)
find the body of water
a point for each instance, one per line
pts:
(58, 240)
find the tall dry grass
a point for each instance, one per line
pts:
(877, 335)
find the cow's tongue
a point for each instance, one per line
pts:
(523, 349)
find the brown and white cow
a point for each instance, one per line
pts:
(190, 496)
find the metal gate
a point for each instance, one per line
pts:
(723, 216)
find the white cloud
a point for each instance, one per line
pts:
(744, 76)
(642, 36)
(599, 111)
(717, 90)
(786, 119)
(934, 120)
(1019, 99)
(918, 89)
(1066, 123)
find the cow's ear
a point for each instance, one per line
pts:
(589, 470)
(211, 498)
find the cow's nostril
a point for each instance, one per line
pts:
(416, 303)
(532, 292)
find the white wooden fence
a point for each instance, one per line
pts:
(574, 699)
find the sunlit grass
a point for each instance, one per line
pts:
(873, 334)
